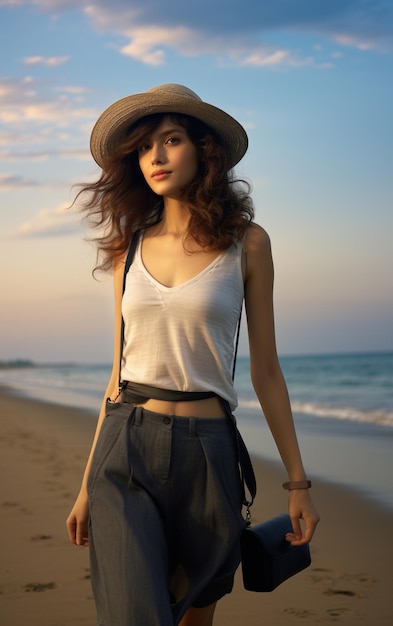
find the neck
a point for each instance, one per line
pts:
(175, 218)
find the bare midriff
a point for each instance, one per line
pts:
(210, 407)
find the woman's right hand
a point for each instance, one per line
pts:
(78, 521)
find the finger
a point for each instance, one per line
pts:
(295, 540)
(297, 529)
(71, 529)
(309, 532)
(82, 535)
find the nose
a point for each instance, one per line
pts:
(157, 154)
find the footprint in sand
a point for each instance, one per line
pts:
(334, 583)
(339, 612)
(40, 537)
(15, 505)
(38, 586)
(87, 574)
(299, 612)
(342, 592)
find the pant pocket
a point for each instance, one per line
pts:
(116, 418)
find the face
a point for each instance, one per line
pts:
(168, 159)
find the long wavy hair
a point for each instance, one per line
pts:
(120, 202)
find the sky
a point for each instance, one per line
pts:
(310, 80)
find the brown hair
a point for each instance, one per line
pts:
(120, 202)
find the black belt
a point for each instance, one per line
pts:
(137, 393)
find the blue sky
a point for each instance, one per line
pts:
(310, 80)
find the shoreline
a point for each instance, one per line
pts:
(43, 449)
(334, 451)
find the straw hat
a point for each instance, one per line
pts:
(114, 123)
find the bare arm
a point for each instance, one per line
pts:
(267, 378)
(77, 521)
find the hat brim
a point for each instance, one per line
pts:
(114, 123)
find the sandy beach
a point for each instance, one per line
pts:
(45, 580)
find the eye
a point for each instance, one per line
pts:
(173, 140)
(143, 148)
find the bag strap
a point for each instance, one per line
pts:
(236, 344)
(130, 256)
(246, 469)
(128, 263)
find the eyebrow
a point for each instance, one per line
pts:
(169, 131)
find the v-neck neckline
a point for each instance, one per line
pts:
(184, 283)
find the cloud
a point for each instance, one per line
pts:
(149, 45)
(81, 154)
(9, 182)
(21, 101)
(35, 115)
(354, 41)
(150, 37)
(48, 61)
(237, 33)
(266, 57)
(72, 89)
(145, 43)
(59, 222)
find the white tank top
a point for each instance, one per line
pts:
(182, 338)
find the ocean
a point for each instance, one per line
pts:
(342, 405)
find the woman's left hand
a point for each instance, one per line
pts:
(301, 507)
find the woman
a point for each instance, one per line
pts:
(161, 497)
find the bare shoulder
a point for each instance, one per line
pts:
(118, 266)
(257, 245)
(256, 238)
(118, 274)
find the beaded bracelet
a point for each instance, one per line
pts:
(299, 484)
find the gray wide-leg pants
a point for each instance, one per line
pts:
(165, 515)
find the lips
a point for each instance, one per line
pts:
(160, 174)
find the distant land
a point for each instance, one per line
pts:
(17, 363)
(25, 363)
